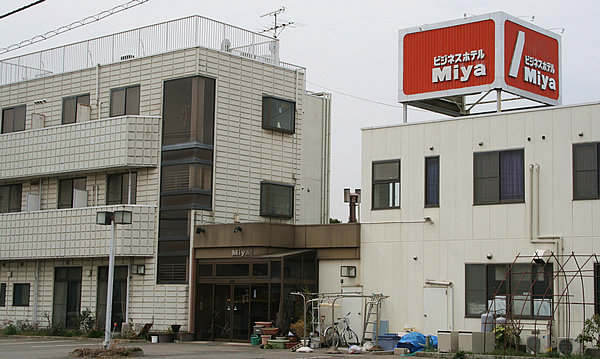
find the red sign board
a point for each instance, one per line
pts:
(478, 54)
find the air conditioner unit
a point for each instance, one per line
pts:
(538, 343)
(567, 346)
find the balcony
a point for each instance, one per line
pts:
(118, 142)
(73, 233)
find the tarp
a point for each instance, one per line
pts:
(416, 341)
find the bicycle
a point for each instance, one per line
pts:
(340, 333)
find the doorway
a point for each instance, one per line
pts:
(228, 317)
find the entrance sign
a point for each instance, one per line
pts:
(448, 60)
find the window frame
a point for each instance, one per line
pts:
(509, 287)
(14, 113)
(267, 102)
(76, 98)
(124, 111)
(594, 193)
(497, 195)
(15, 291)
(428, 200)
(124, 190)
(375, 182)
(19, 202)
(265, 191)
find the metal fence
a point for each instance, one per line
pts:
(168, 36)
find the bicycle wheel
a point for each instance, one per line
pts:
(350, 337)
(332, 337)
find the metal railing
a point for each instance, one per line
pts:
(168, 36)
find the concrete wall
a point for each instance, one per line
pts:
(462, 232)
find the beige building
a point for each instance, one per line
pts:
(454, 210)
(190, 125)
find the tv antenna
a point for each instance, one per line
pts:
(277, 28)
(88, 20)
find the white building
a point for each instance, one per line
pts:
(448, 206)
(187, 124)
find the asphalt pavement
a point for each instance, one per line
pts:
(18, 347)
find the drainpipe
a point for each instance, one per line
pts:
(98, 102)
(191, 274)
(555, 240)
(35, 295)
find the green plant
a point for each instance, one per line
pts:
(507, 336)
(10, 330)
(57, 329)
(95, 333)
(459, 354)
(591, 331)
(270, 346)
(86, 320)
(298, 327)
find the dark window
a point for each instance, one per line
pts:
(276, 200)
(386, 184)
(189, 111)
(10, 198)
(67, 296)
(204, 270)
(71, 193)
(233, 270)
(279, 114)
(525, 290)
(13, 119)
(186, 177)
(2, 294)
(498, 177)
(432, 181)
(260, 269)
(585, 171)
(71, 108)
(117, 188)
(125, 101)
(119, 302)
(172, 270)
(21, 295)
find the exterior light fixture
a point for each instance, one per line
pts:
(237, 229)
(200, 230)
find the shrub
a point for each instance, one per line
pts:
(591, 331)
(10, 330)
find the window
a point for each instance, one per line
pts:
(498, 177)
(2, 294)
(125, 101)
(10, 198)
(70, 108)
(585, 171)
(117, 188)
(172, 270)
(13, 119)
(386, 184)
(67, 296)
(432, 181)
(279, 114)
(21, 295)
(72, 193)
(497, 286)
(276, 200)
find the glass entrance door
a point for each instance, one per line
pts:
(222, 314)
(241, 312)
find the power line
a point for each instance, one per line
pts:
(21, 9)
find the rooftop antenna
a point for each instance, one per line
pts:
(74, 25)
(276, 29)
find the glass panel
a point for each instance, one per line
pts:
(172, 269)
(292, 267)
(260, 269)
(7, 120)
(278, 114)
(432, 181)
(187, 154)
(205, 108)
(204, 310)
(83, 99)
(385, 171)
(113, 190)
(117, 102)
(512, 179)
(10, 198)
(382, 195)
(67, 296)
(241, 312)
(222, 313)
(19, 124)
(69, 110)
(276, 200)
(204, 270)
(475, 289)
(585, 171)
(2, 294)
(309, 266)
(132, 100)
(65, 193)
(174, 224)
(177, 111)
(174, 247)
(259, 309)
(233, 270)
(276, 269)
(274, 303)
(486, 178)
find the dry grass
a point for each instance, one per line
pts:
(114, 352)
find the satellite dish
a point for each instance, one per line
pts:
(226, 45)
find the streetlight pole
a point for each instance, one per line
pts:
(111, 282)
(112, 218)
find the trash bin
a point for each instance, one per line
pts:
(255, 339)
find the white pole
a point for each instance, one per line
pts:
(109, 291)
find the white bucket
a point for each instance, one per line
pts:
(154, 339)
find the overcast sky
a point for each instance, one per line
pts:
(349, 48)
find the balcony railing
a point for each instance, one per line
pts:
(151, 40)
(130, 141)
(73, 233)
